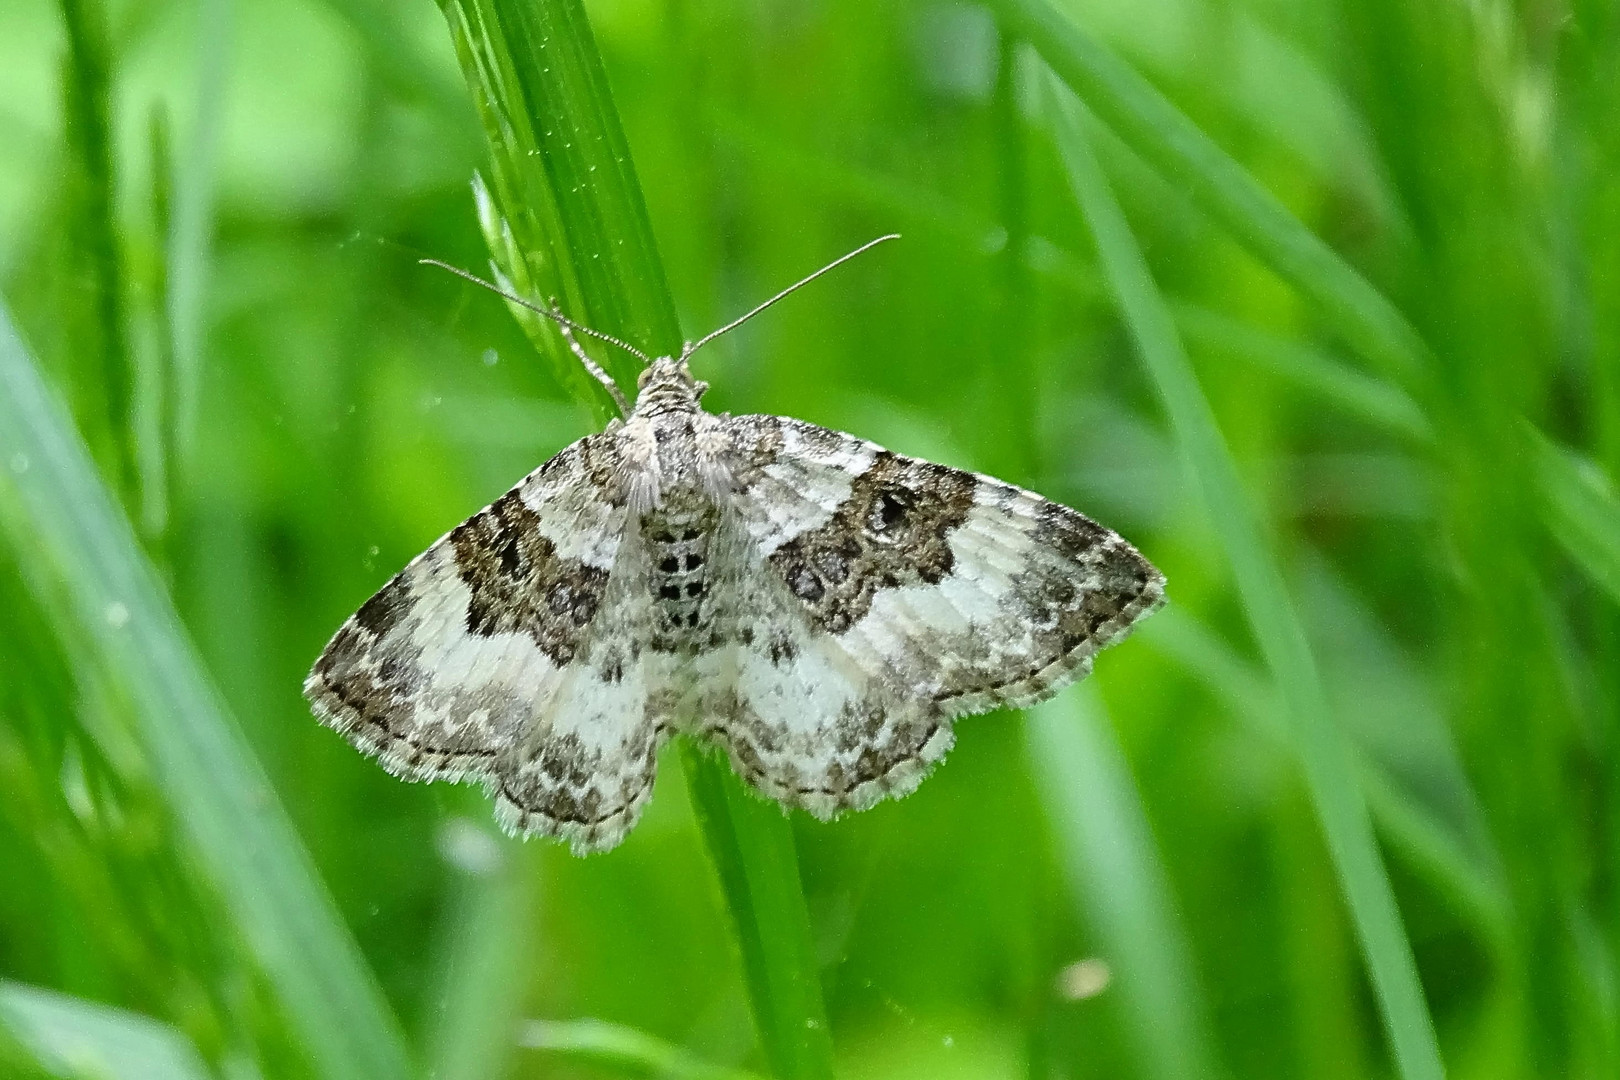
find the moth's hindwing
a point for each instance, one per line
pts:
(486, 658)
(893, 596)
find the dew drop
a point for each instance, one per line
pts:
(1084, 979)
(469, 848)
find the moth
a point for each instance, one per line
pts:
(816, 606)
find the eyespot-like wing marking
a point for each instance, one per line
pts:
(895, 596)
(495, 656)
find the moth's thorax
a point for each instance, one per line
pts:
(667, 386)
(669, 446)
(678, 524)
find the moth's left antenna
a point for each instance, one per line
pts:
(568, 326)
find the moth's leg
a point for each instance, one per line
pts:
(590, 365)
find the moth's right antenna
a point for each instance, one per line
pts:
(689, 349)
(568, 327)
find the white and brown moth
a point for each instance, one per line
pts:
(820, 608)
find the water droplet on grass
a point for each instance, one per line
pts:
(1084, 979)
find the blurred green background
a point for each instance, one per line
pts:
(1393, 589)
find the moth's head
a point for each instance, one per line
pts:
(666, 384)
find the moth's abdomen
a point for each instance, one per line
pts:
(677, 539)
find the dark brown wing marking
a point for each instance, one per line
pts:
(893, 530)
(518, 582)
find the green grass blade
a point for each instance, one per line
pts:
(490, 952)
(561, 175)
(1113, 867)
(103, 388)
(190, 229)
(1581, 509)
(1353, 392)
(73, 1037)
(215, 787)
(563, 188)
(1440, 850)
(1154, 128)
(751, 843)
(18, 1061)
(155, 369)
(636, 1052)
(1322, 747)
(917, 209)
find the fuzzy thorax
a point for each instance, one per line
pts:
(667, 385)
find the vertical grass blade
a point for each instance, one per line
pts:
(561, 177)
(1110, 859)
(190, 229)
(1323, 750)
(214, 786)
(751, 843)
(1161, 134)
(566, 191)
(1436, 847)
(155, 366)
(1581, 510)
(490, 953)
(72, 1037)
(102, 384)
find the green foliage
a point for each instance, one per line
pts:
(1219, 186)
(1347, 808)
(1582, 510)
(1260, 585)
(752, 849)
(75, 1038)
(1109, 855)
(631, 1050)
(65, 523)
